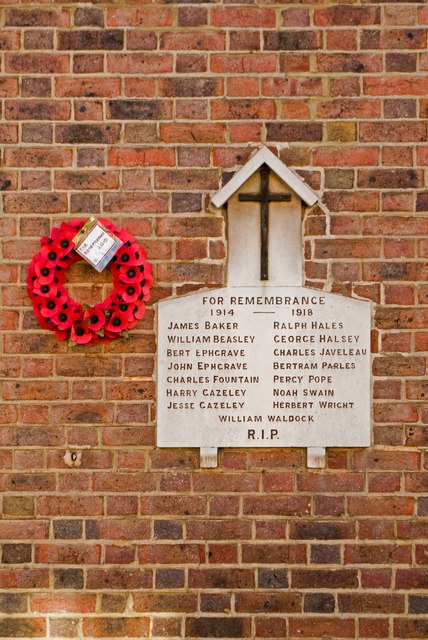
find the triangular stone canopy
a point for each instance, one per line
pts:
(264, 156)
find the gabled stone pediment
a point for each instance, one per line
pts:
(264, 156)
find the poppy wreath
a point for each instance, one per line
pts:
(82, 324)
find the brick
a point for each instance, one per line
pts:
(68, 579)
(349, 63)
(88, 63)
(87, 133)
(87, 87)
(389, 178)
(271, 627)
(34, 87)
(191, 63)
(37, 63)
(275, 602)
(193, 133)
(82, 180)
(54, 505)
(88, 17)
(101, 579)
(339, 157)
(198, 87)
(68, 553)
(232, 109)
(292, 40)
(16, 553)
(395, 86)
(411, 579)
(129, 157)
(380, 506)
(277, 506)
(201, 41)
(405, 628)
(371, 603)
(189, 178)
(139, 63)
(64, 602)
(377, 554)
(38, 39)
(24, 578)
(273, 553)
(344, 249)
(242, 17)
(294, 131)
(35, 203)
(108, 39)
(351, 108)
(319, 603)
(237, 64)
(13, 603)
(138, 109)
(135, 627)
(322, 530)
(147, 17)
(23, 627)
(318, 578)
(344, 15)
(398, 366)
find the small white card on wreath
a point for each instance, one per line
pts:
(96, 244)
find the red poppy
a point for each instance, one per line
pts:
(129, 292)
(128, 273)
(130, 255)
(66, 316)
(126, 308)
(140, 310)
(117, 322)
(50, 307)
(45, 290)
(44, 273)
(95, 318)
(50, 255)
(81, 333)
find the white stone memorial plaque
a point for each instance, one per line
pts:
(264, 362)
(263, 366)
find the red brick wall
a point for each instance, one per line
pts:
(139, 112)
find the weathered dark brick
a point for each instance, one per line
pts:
(136, 109)
(272, 579)
(68, 578)
(294, 131)
(168, 529)
(110, 39)
(67, 529)
(229, 627)
(191, 87)
(88, 17)
(292, 40)
(23, 628)
(36, 87)
(169, 578)
(13, 603)
(319, 603)
(418, 604)
(87, 133)
(16, 553)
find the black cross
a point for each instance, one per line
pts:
(264, 197)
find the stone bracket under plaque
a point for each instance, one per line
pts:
(264, 362)
(208, 457)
